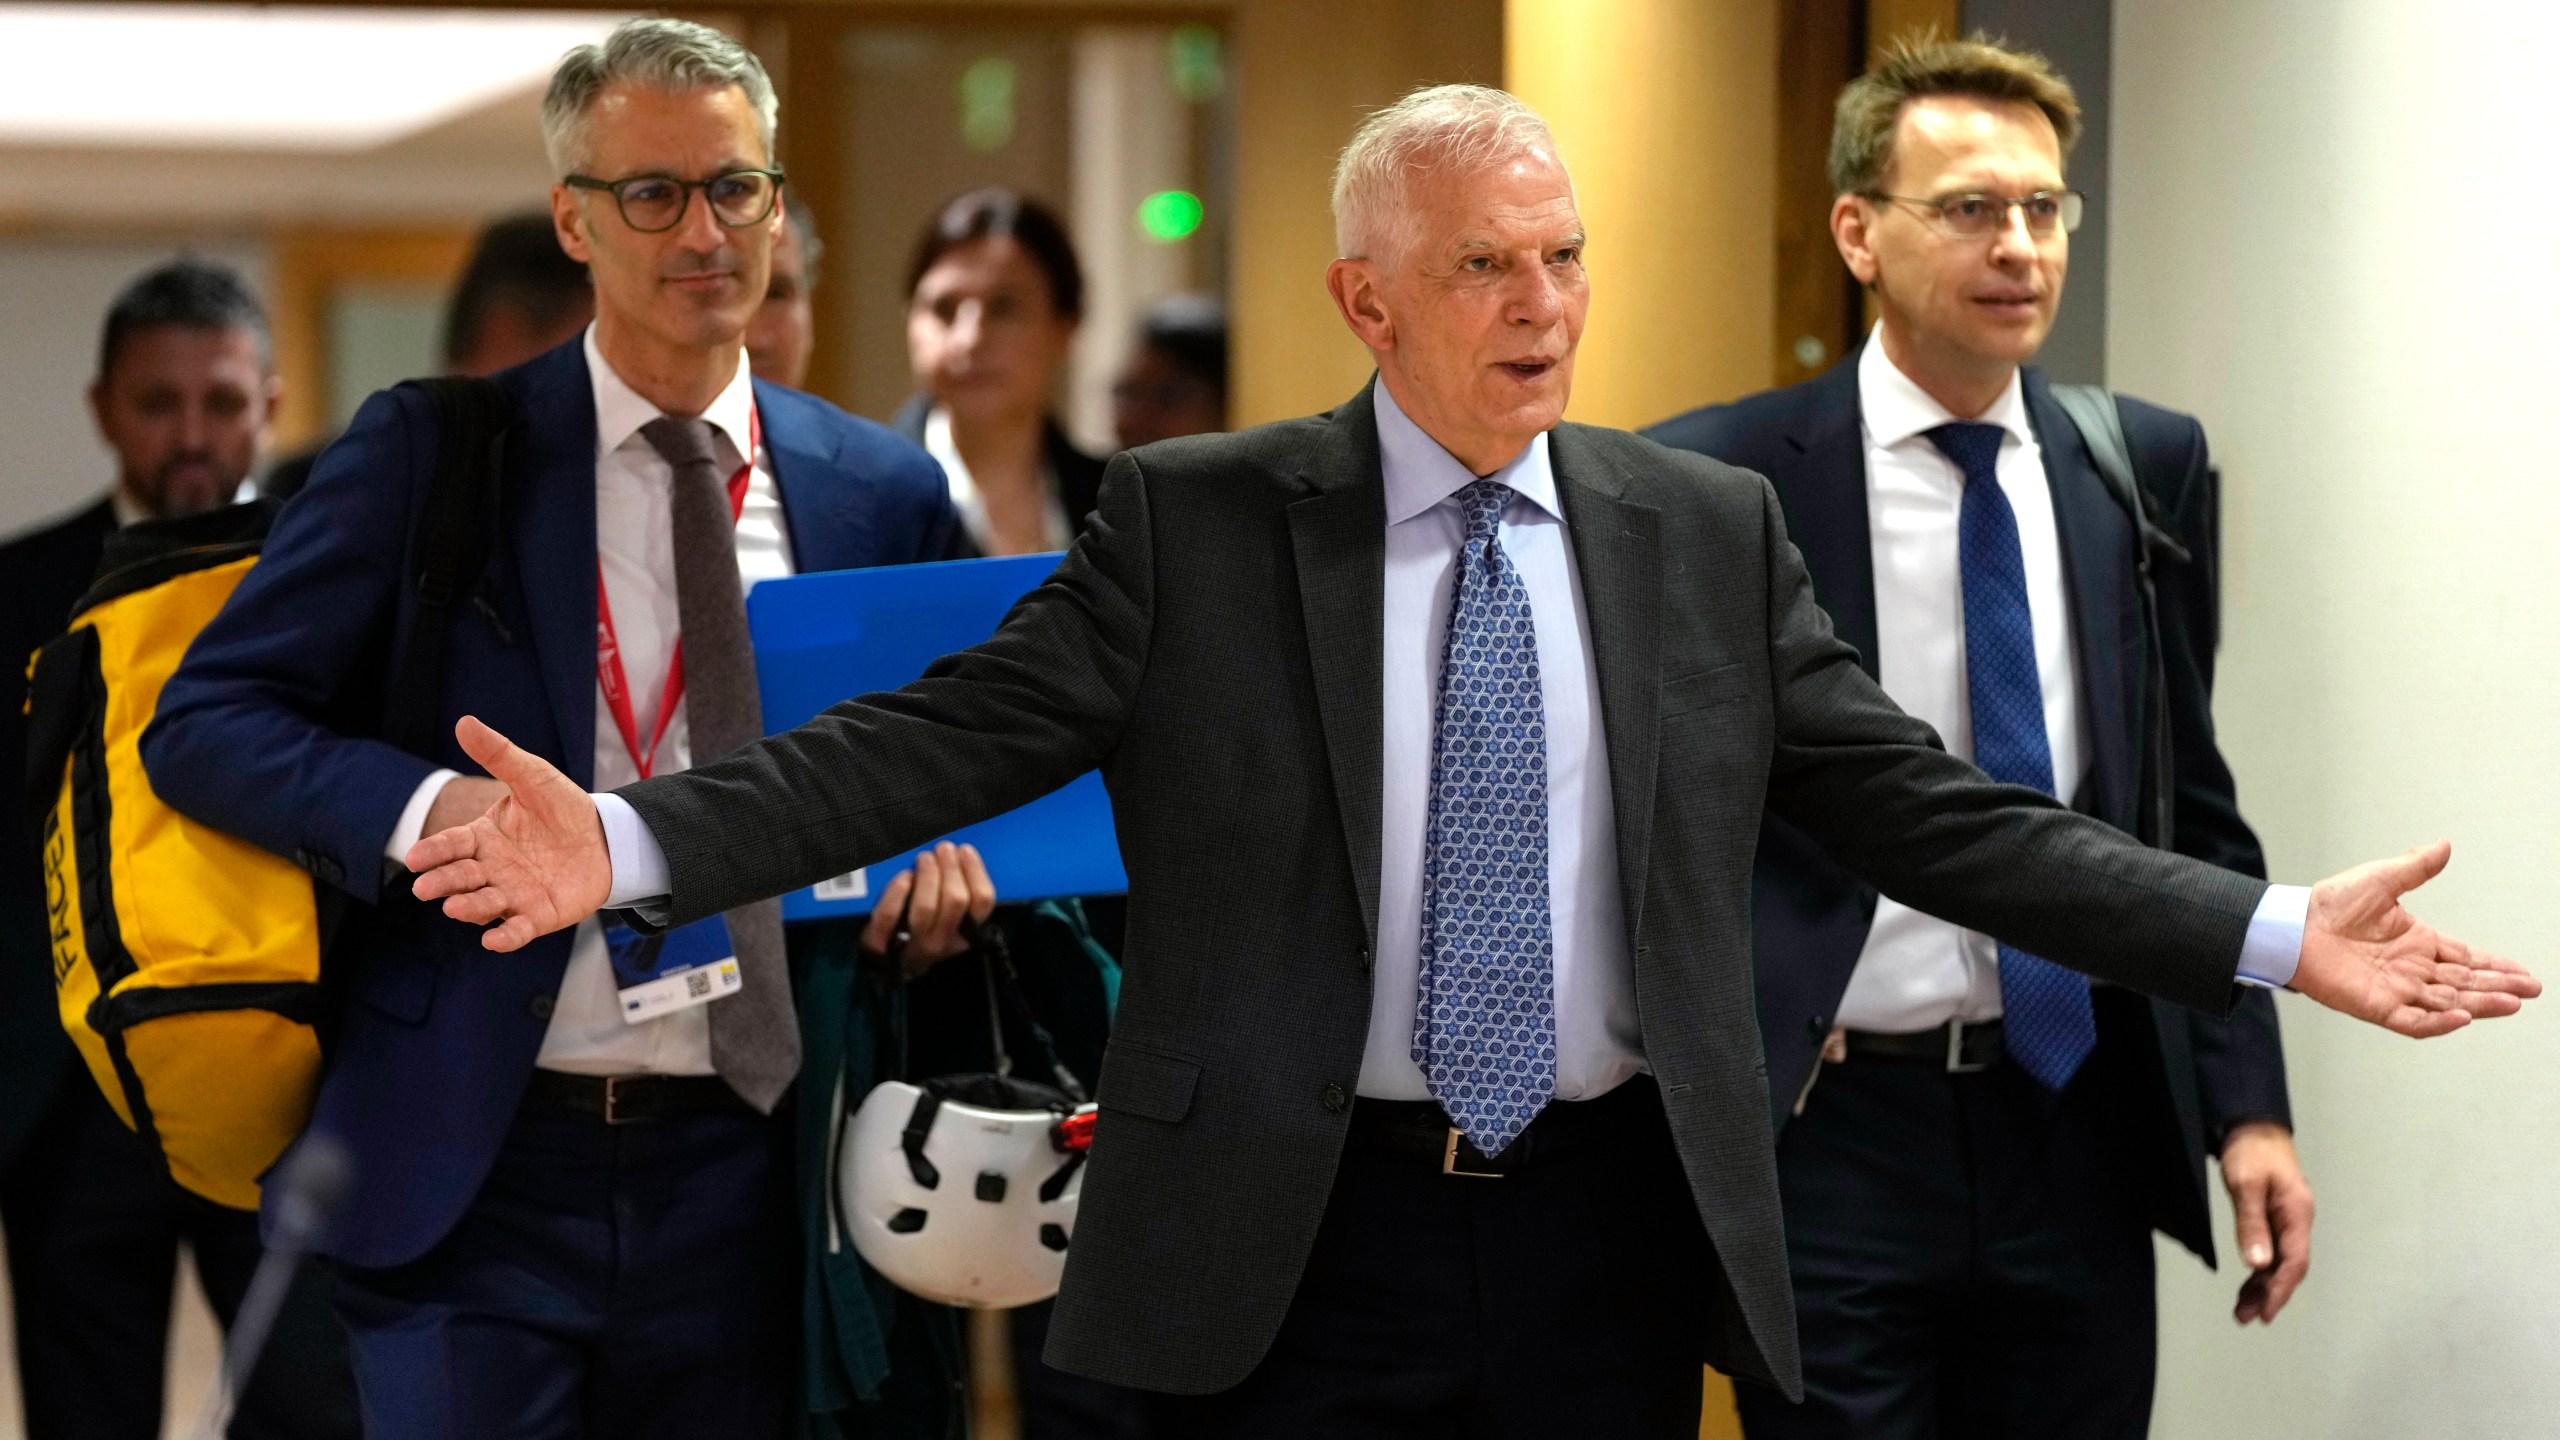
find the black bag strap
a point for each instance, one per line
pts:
(2095, 414)
(457, 531)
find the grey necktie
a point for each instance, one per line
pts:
(755, 1035)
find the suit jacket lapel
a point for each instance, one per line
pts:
(2097, 557)
(815, 537)
(1339, 538)
(1617, 548)
(551, 472)
(1824, 495)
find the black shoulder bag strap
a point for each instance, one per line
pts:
(457, 530)
(2093, 412)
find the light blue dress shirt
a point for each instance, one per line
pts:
(1598, 1044)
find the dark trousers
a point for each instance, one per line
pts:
(94, 1226)
(1058, 1406)
(1563, 1300)
(1971, 1258)
(614, 1281)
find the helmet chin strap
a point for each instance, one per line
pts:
(1005, 982)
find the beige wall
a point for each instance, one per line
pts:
(1667, 114)
(1307, 71)
(2376, 375)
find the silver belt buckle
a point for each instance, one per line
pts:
(1955, 1052)
(613, 1103)
(1449, 1160)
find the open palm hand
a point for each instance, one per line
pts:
(2365, 955)
(533, 863)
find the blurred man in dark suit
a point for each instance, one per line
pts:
(1982, 1146)
(182, 398)
(1176, 382)
(784, 332)
(520, 295)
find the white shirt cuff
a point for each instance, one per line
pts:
(413, 817)
(2272, 950)
(639, 866)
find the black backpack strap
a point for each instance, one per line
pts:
(2094, 414)
(457, 531)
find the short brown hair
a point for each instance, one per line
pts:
(1862, 125)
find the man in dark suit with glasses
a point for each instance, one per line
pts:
(1974, 1146)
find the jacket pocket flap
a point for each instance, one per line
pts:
(1147, 1082)
(1701, 688)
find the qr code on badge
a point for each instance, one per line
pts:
(697, 984)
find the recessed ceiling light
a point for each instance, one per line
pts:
(261, 77)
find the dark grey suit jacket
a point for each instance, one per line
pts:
(1213, 642)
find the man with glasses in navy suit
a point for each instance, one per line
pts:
(570, 1213)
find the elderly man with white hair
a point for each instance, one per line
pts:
(1439, 734)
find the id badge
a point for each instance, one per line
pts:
(674, 970)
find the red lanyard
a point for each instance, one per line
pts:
(609, 673)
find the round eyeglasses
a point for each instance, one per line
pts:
(1972, 214)
(654, 203)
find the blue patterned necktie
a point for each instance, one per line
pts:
(1484, 1030)
(2046, 1019)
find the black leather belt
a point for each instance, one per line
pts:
(1957, 1046)
(1419, 1131)
(635, 1099)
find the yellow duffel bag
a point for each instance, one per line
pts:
(186, 961)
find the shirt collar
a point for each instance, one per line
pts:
(1896, 409)
(621, 410)
(1421, 474)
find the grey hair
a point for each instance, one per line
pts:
(1435, 128)
(675, 56)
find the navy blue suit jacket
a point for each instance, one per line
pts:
(260, 733)
(1810, 915)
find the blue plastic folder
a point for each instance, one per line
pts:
(820, 639)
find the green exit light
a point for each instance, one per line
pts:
(1169, 215)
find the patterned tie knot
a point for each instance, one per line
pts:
(1483, 503)
(683, 441)
(1973, 446)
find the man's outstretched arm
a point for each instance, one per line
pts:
(1932, 831)
(983, 731)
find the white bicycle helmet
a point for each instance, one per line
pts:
(962, 1189)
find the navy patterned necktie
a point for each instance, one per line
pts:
(1484, 1030)
(2046, 1019)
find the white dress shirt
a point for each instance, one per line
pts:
(1918, 972)
(1598, 1043)
(635, 546)
(1057, 531)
